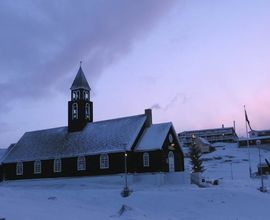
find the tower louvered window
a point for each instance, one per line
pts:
(87, 111)
(75, 111)
(78, 94)
(74, 95)
(85, 95)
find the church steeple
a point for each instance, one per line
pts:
(80, 82)
(80, 108)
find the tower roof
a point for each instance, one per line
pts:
(80, 82)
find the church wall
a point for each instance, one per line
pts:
(69, 167)
(1, 172)
(173, 146)
(155, 162)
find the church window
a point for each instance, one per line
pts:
(146, 159)
(78, 94)
(57, 166)
(74, 111)
(86, 95)
(74, 95)
(81, 165)
(104, 161)
(19, 168)
(37, 167)
(87, 111)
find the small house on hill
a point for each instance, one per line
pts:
(203, 145)
(88, 148)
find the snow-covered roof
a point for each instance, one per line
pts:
(204, 141)
(254, 138)
(97, 137)
(212, 131)
(2, 153)
(153, 137)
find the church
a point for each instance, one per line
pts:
(90, 148)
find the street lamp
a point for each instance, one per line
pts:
(126, 191)
(262, 188)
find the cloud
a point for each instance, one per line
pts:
(43, 41)
(4, 127)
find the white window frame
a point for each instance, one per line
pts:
(81, 163)
(75, 113)
(104, 162)
(19, 168)
(87, 110)
(57, 165)
(37, 167)
(146, 160)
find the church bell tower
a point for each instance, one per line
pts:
(80, 108)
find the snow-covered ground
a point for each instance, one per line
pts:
(236, 197)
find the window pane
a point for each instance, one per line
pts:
(37, 167)
(81, 165)
(104, 161)
(146, 160)
(57, 165)
(19, 168)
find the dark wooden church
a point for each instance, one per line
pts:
(87, 148)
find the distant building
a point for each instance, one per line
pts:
(254, 135)
(88, 148)
(265, 141)
(259, 133)
(224, 134)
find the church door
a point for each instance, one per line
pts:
(171, 161)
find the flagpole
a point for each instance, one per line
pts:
(247, 142)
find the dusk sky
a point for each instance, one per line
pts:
(195, 63)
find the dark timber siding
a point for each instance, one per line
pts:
(69, 167)
(176, 149)
(1, 172)
(155, 162)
